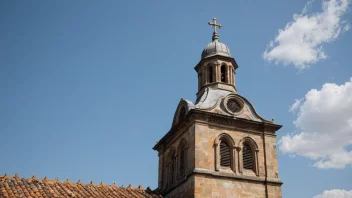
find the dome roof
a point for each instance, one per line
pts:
(216, 48)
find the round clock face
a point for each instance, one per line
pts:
(233, 105)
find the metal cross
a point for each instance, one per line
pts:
(215, 25)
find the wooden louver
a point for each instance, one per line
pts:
(225, 158)
(247, 157)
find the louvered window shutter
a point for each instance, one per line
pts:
(247, 157)
(225, 158)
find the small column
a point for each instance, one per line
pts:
(177, 159)
(205, 69)
(256, 162)
(228, 74)
(234, 164)
(217, 156)
(199, 81)
(240, 167)
(161, 170)
(166, 183)
(218, 77)
(237, 150)
(233, 78)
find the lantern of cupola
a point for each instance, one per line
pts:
(216, 69)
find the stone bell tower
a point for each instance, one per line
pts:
(218, 146)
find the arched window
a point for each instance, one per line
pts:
(210, 74)
(171, 168)
(182, 113)
(248, 157)
(224, 152)
(225, 157)
(182, 159)
(223, 73)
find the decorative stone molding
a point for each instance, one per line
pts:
(170, 170)
(255, 150)
(224, 137)
(236, 176)
(182, 105)
(233, 104)
(182, 146)
(225, 121)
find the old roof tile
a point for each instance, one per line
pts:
(33, 187)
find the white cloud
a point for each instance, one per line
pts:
(301, 41)
(335, 193)
(324, 124)
(295, 105)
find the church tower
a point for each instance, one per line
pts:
(218, 146)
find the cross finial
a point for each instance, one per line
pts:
(215, 25)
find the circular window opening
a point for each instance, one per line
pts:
(233, 105)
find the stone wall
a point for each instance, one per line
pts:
(271, 157)
(187, 134)
(205, 135)
(274, 191)
(207, 186)
(237, 182)
(185, 190)
(203, 176)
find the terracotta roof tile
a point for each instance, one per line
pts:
(11, 187)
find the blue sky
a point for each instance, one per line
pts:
(87, 87)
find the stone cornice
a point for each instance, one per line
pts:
(217, 174)
(234, 122)
(236, 177)
(196, 115)
(245, 130)
(216, 57)
(182, 124)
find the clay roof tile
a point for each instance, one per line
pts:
(32, 187)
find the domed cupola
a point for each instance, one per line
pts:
(216, 69)
(216, 48)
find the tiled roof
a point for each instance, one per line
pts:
(35, 188)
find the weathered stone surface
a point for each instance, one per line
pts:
(231, 149)
(204, 179)
(222, 187)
